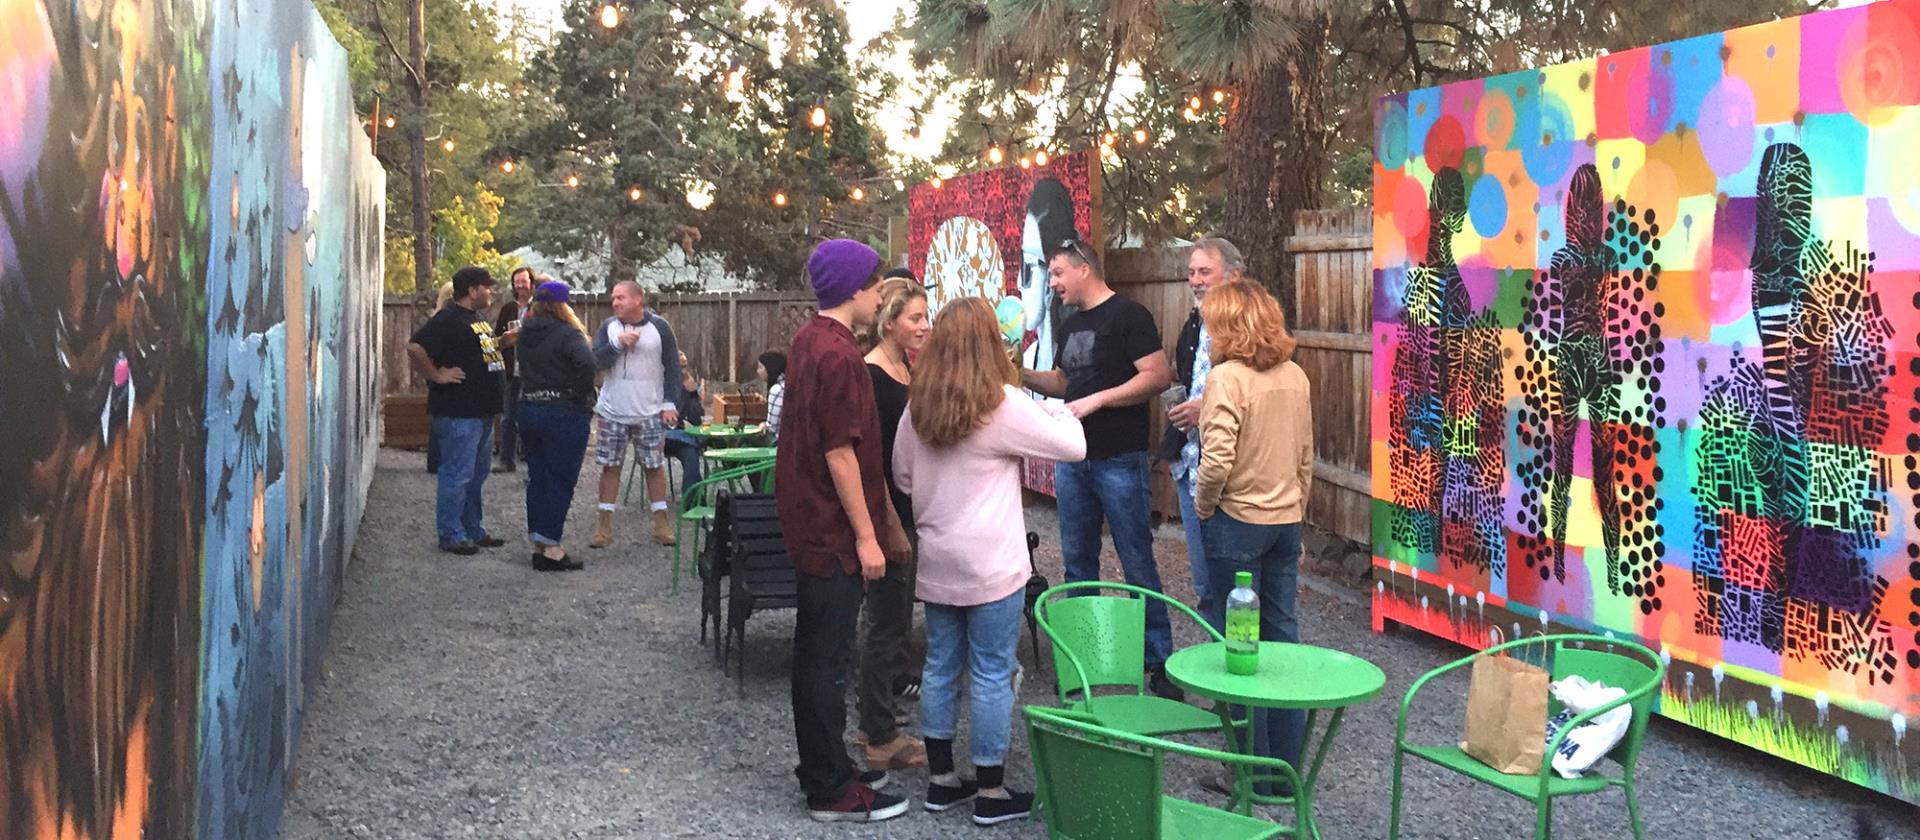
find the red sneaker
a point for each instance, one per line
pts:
(860, 804)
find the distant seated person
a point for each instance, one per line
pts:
(680, 445)
(773, 371)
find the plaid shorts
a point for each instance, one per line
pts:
(649, 438)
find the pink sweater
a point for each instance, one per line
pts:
(966, 498)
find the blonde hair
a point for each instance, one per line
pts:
(960, 377)
(1247, 326)
(445, 297)
(559, 311)
(895, 294)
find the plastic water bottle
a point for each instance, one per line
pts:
(1243, 626)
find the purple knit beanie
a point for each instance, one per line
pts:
(838, 268)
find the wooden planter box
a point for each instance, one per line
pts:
(406, 422)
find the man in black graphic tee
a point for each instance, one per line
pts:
(457, 353)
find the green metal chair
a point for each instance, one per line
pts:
(696, 506)
(1099, 642)
(1100, 783)
(1622, 664)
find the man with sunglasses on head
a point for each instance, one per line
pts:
(1109, 364)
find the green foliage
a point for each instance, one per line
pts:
(465, 234)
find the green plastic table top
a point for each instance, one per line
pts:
(717, 432)
(742, 454)
(1290, 676)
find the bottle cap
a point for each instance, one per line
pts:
(1243, 579)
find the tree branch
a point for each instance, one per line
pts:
(380, 25)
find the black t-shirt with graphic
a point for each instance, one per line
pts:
(1096, 350)
(458, 337)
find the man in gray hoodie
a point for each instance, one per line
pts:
(636, 349)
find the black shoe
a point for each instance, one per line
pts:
(941, 797)
(875, 779)
(489, 542)
(1158, 683)
(990, 811)
(543, 563)
(462, 548)
(859, 804)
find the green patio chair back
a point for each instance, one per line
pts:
(1614, 662)
(696, 507)
(1099, 783)
(1099, 642)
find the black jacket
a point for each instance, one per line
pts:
(1183, 355)
(556, 365)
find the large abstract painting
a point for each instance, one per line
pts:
(988, 234)
(1645, 364)
(190, 263)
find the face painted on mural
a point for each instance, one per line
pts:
(1646, 382)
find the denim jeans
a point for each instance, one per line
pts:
(1113, 490)
(683, 448)
(465, 445)
(983, 640)
(510, 422)
(1196, 545)
(1272, 554)
(825, 618)
(556, 443)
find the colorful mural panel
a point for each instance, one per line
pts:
(989, 233)
(190, 220)
(1646, 364)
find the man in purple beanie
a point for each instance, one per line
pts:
(835, 514)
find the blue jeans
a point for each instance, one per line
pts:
(1114, 490)
(1272, 554)
(984, 640)
(1196, 544)
(682, 447)
(466, 448)
(556, 443)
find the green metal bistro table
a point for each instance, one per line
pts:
(1290, 676)
(741, 456)
(713, 435)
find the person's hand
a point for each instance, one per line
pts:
(629, 338)
(448, 376)
(873, 561)
(670, 417)
(1185, 416)
(1086, 405)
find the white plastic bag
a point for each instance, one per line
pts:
(1584, 746)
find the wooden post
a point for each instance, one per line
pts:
(733, 338)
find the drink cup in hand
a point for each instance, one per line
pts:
(1174, 395)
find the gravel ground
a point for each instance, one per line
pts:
(473, 697)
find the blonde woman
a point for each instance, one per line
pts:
(1255, 471)
(556, 409)
(959, 450)
(886, 670)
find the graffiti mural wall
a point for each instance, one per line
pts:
(1645, 364)
(988, 234)
(190, 220)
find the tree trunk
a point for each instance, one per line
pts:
(417, 139)
(1276, 154)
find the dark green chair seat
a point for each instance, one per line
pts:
(1525, 786)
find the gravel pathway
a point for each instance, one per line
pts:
(473, 697)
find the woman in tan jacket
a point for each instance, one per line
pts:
(1256, 467)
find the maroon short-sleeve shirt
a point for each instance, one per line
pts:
(829, 404)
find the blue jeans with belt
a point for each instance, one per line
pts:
(1113, 490)
(556, 444)
(1272, 554)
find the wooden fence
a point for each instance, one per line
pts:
(723, 335)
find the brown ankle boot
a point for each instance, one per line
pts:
(663, 528)
(603, 537)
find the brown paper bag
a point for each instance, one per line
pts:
(1507, 714)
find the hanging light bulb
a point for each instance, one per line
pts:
(634, 194)
(1040, 158)
(1194, 103)
(736, 79)
(779, 199)
(1026, 162)
(1140, 137)
(858, 194)
(391, 122)
(818, 116)
(506, 166)
(936, 182)
(995, 155)
(447, 145)
(573, 182)
(609, 16)
(1219, 96)
(1189, 115)
(1108, 139)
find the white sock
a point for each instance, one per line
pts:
(608, 507)
(947, 779)
(659, 505)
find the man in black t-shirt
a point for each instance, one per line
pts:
(457, 353)
(1109, 364)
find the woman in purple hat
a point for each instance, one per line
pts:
(556, 410)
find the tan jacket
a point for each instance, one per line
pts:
(1256, 444)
